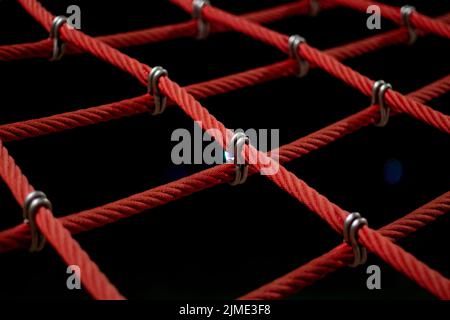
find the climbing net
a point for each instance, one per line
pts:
(40, 224)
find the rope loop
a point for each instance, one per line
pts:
(235, 150)
(353, 222)
(59, 47)
(203, 25)
(153, 89)
(294, 42)
(406, 12)
(33, 202)
(378, 92)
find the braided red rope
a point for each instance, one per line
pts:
(129, 107)
(342, 255)
(377, 42)
(353, 78)
(94, 281)
(399, 259)
(43, 48)
(87, 220)
(85, 43)
(394, 255)
(418, 20)
(330, 212)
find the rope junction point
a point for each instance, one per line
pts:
(236, 149)
(378, 92)
(203, 25)
(33, 202)
(294, 43)
(59, 47)
(160, 100)
(406, 12)
(352, 224)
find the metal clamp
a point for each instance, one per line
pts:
(235, 149)
(294, 42)
(33, 202)
(353, 222)
(203, 26)
(314, 8)
(153, 89)
(59, 47)
(378, 91)
(405, 12)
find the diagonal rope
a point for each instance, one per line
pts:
(87, 220)
(142, 104)
(342, 255)
(353, 78)
(392, 13)
(93, 280)
(43, 48)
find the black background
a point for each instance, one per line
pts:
(226, 241)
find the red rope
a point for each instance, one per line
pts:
(130, 107)
(43, 48)
(375, 242)
(85, 43)
(87, 220)
(141, 104)
(418, 20)
(93, 280)
(330, 212)
(394, 255)
(342, 255)
(377, 42)
(395, 99)
(325, 62)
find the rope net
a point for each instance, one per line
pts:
(59, 232)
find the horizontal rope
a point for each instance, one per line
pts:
(417, 19)
(398, 258)
(43, 48)
(142, 104)
(90, 219)
(325, 62)
(93, 280)
(342, 255)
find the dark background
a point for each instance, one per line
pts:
(226, 241)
